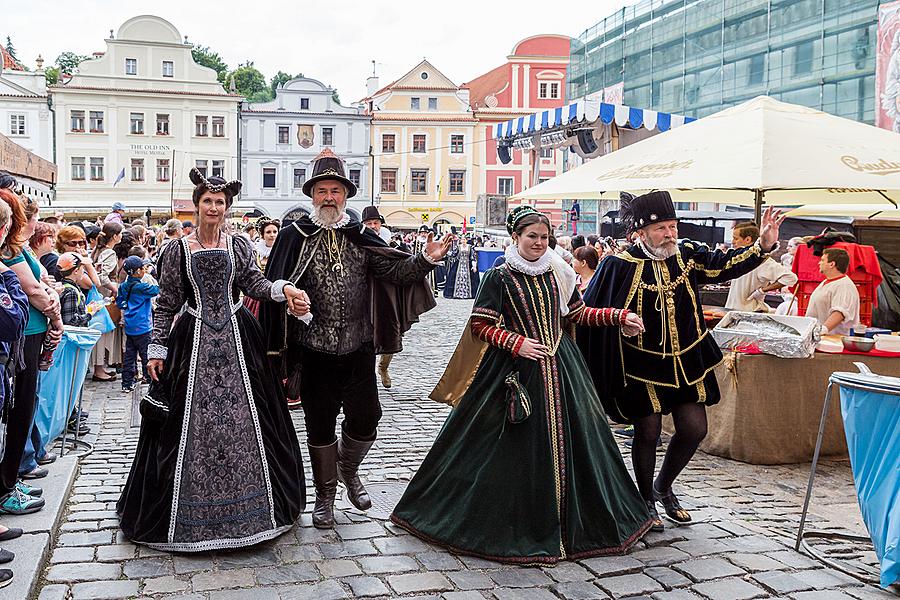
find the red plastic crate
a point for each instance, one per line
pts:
(866, 297)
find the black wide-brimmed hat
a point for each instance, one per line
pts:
(640, 211)
(371, 212)
(328, 165)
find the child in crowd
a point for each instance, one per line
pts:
(71, 299)
(134, 298)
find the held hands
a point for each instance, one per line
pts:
(438, 250)
(297, 301)
(155, 368)
(633, 325)
(771, 222)
(533, 349)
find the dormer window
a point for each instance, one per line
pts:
(304, 103)
(168, 68)
(414, 103)
(131, 66)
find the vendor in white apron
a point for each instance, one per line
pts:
(835, 302)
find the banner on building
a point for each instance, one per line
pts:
(887, 67)
(615, 94)
(305, 135)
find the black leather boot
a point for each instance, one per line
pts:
(350, 454)
(324, 468)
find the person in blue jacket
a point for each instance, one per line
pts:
(13, 318)
(134, 299)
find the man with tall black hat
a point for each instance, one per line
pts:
(668, 368)
(372, 219)
(362, 296)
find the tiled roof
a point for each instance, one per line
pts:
(9, 62)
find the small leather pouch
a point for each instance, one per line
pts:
(518, 404)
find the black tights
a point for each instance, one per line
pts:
(690, 429)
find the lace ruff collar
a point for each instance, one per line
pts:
(515, 260)
(647, 251)
(345, 218)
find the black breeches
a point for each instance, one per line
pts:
(331, 382)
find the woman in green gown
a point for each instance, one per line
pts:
(525, 469)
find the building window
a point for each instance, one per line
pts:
(419, 143)
(284, 134)
(168, 68)
(162, 124)
(354, 177)
(546, 152)
(505, 186)
(96, 168)
(388, 142)
(163, 169)
(137, 123)
(757, 69)
(137, 169)
(299, 178)
(327, 136)
(269, 178)
(96, 121)
(218, 124)
(456, 143)
(16, 124)
(77, 120)
(457, 182)
(419, 181)
(131, 66)
(218, 168)
(78, 168)
(432, 104)
(389, 180)
(201, 166)
(304, 103)
(803, 58)
(548, 90)
(414, 104)
(201, 126)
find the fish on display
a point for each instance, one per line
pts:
(760, 323)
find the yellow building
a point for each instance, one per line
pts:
(424, 157)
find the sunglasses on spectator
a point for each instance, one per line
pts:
(76, 243)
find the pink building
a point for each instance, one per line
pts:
(532, 79)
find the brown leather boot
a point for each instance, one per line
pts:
(324, 468)
(350, 454)
(384, 360)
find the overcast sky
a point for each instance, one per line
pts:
(332, 41)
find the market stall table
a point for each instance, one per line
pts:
(770, 407)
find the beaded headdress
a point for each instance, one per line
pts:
(231, 188)
(516, 214)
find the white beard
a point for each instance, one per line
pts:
(327, 215)
(658, 252)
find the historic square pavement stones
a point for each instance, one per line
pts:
(742, 550)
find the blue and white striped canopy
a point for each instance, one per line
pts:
(588, 111)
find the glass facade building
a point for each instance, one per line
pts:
(698, 57)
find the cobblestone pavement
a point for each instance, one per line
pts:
(743, 549)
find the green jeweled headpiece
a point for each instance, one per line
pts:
(516, 214)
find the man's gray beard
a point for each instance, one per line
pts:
(330, 216)
(658, 252)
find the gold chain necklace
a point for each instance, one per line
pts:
(335, 250)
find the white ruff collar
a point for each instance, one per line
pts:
(550, 261)
(649, 252)
(345, 218)
(515, 260)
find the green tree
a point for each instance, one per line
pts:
(11, 49)
(280, 77)
(68, 62)
(52, 75)
(249, 82)
(206, 57)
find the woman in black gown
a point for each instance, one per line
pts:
(218, 464)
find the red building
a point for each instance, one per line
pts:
(532, 79)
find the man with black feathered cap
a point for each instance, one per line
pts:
(362, 296)
(668, 368)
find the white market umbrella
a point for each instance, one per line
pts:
(861, 211)
(760, 152)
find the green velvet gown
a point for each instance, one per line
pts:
(549, 488)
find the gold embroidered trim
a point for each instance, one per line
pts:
(654, 399)
(679, 353)
(701, 392)
(754, 250)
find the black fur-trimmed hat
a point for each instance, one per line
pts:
(640, 211)
(328, 165)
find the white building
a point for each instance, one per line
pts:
(25, 116)
(134, 120)
(280, 139)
